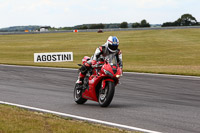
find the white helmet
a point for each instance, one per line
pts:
(112, 43)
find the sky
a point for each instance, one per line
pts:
(65, 13)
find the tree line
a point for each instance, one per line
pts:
(143, 23)
(184, 20)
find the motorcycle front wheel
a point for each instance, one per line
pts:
(78, 95)
(106, 94)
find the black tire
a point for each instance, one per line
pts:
(78, 95)
(106, 95)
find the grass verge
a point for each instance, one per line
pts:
(174, 51)
(17, 120)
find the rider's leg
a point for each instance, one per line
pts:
(80, 78)
(83, 70)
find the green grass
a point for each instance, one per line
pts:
(16, 120)
(154, 51)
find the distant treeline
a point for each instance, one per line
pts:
(20, 28)
(184, 20)
(143, 23)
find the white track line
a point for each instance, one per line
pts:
(136, 73)
(80, 118)
(166, 75)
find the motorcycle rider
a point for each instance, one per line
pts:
(110, 48)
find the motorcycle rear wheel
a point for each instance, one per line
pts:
(78, 95)
(106, 94)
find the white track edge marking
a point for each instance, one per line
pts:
(80, 118)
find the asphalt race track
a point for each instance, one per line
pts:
(155, 102)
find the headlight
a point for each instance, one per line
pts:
(108, 73)
(117, 76)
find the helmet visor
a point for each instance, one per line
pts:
(113, 47)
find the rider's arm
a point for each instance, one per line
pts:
(97, 53)
(119, 59)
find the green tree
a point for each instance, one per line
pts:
(135, 25)
(185, 20)
(144, 23)
(83, 27)
(188, 20)
(167, 24)
(97, 26)
(177, 22)
(124, 25)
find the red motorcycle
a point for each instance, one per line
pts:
(99, 83)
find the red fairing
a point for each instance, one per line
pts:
(99, 78)
(91, 92)
(119, 71)
(107, 66)
(104, 82)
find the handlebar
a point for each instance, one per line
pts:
(97, 65)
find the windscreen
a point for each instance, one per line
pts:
(112, 60)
